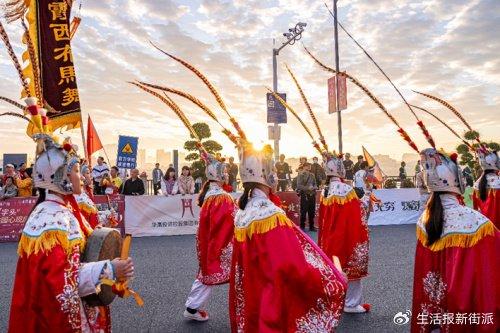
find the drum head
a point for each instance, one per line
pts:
(103, 244)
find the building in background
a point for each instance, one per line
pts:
(141, 157)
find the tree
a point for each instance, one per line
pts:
(211, 146)
(467, 157)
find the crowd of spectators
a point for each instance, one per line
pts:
(105, 180)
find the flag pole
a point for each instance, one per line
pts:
(95, 130)
(82, 131)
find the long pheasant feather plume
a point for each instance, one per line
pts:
(181, 115)
(443, 123)
(210, 86)
(17, 115)
(308, 106)
(15, 60)
(172, 106)
(34, 63)
(449, 107)
(420, 123)
(296, 115)
(401, 131)
(196, 101)
(10, 101)
(15, 10)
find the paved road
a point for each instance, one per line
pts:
(165, 267)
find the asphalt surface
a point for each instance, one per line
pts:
(165, 268)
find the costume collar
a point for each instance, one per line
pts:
(258, 193)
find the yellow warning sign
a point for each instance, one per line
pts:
(127, 149)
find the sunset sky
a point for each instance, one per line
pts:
(446, 48)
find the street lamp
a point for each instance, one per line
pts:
(294, 34)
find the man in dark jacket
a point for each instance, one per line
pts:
(357, 166)
(134, 185)
(306, 186)
(318, 172)
(349, 167)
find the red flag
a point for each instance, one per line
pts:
(93, 142)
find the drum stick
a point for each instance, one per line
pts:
(126, 246)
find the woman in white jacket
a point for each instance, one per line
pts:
(186, 181)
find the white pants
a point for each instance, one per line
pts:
(198, 295)
(354, 295)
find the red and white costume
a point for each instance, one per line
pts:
(456, 278)
(214, 240)
(343, 229)
(280, 280)
(88, 208)
(490, 207)
(50, 279)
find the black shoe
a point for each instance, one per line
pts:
(313, 229)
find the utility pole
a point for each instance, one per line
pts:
(337, 66)
(293, 35)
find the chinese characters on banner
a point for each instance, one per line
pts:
(332, 92)
(14, 213)
(58, 75)
(127, 152)
(276, 112)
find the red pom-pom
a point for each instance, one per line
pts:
(33, 110)
(67, 147)
(454, 157)
(367, 306)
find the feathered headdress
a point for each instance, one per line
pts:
(214, 167)
(401, 131)
(212, 89)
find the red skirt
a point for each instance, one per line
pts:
(344, 233)
(282, 282)
(215, 239)
(490, 207)
(457, 288)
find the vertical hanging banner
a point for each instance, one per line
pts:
(332, 92)
(276, 112)
(57, 71)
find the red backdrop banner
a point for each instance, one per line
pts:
(14, 213)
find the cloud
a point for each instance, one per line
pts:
(449, 49)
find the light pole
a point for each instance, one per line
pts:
(337, 65)
(293, 35)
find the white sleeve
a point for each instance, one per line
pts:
(91, 273)
(175, 190)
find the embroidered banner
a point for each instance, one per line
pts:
(58, 75)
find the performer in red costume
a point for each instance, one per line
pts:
(280, 280)
(50, 279)
(486, 196)
(343, 232)
(457, 265)
(85, 199)
(214, 240)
